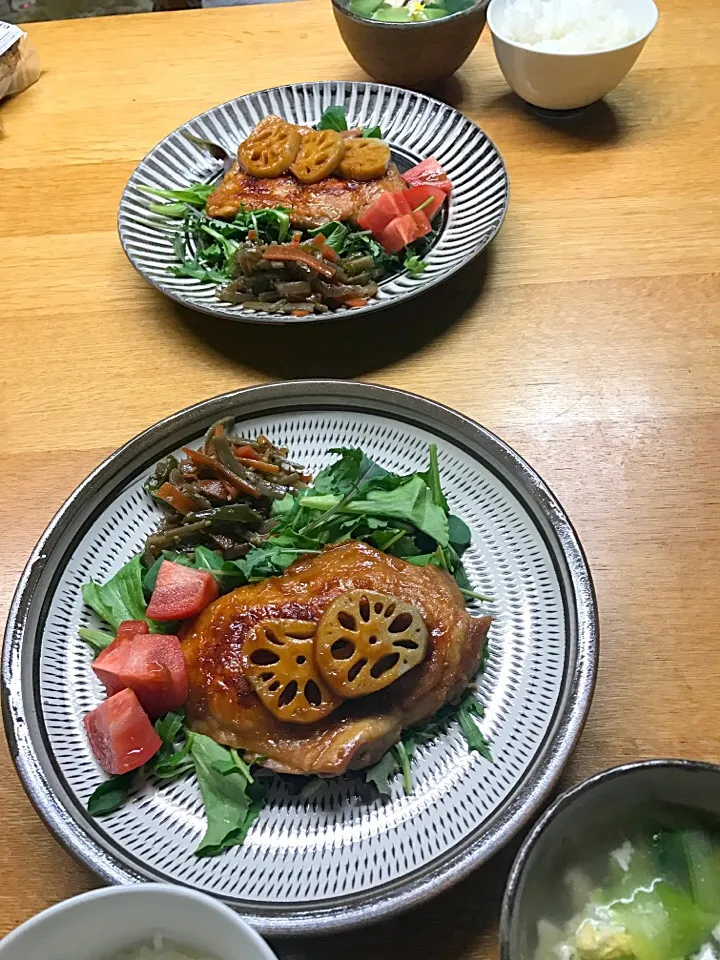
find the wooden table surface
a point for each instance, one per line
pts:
(587, 337)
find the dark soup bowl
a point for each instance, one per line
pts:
(626, 864)
(415, 53)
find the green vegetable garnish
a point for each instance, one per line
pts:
(232, 801)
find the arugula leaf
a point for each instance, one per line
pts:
(382, 772)
(469, 709)
(403, 754)
(459, 534)
(335, 234)
(412, 500)
(196, 194)
(414, 265)
(432, 478)
(176, 211)
(333, 118)
(97, 640)
(173, 758)
(121, 597)
(311, 788)
(231, 802)
(345, 475)
(110, 795)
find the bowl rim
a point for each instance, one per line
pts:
(560, 806)
(14, 938)
(481, 5)
(497, 34)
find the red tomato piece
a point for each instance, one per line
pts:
(180, 592)
(131, 628)
(382, 211)
(429, 173)
(404, 230)
(120, 733)
(152, 665)
(434, 197)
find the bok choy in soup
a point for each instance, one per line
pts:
(650, 894)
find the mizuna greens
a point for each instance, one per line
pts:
(406, 516)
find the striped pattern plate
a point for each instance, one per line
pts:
(342, 855)
(415, 126)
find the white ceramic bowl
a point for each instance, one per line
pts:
(566, 81)
(96, 925)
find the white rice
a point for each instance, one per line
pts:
(566, 26)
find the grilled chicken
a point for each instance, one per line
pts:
(223, 705)
(311, 205)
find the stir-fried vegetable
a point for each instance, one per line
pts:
(220, 496)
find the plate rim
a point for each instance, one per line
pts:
(331, 315)
(526, 799)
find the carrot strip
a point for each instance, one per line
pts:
(202, 460)
(356, 302)
(245, 450)
(176, 498)
(289, 252)
(260, 465)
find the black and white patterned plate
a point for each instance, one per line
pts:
(415, 126)
(341, 857)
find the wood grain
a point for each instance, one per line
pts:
(587, 337)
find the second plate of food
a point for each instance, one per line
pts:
(313, 201)
(348, 635)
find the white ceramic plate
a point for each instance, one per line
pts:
(343, 857)
(415, 126)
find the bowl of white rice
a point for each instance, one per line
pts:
(566, 54)
(145, 921)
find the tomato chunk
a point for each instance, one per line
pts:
(383, 210)
(120, 733)
(180, 592)
(131, 628)
(404, 230)
(429, 173)
(152, 665)
(432, 196)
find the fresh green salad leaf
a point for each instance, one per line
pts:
(333, 118)
(470, 708)
(173, 759)
(411, 501)
(111, 794)
(119, 598)
(398, 759)
(232, 802)
(382, 773)
(414, 265)
(196, 194)
(97, 640)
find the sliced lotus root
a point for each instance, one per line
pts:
(365, 641)
(320, 154)
(270, 149)
(279, 661)
(364, 159)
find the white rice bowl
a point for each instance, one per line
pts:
(566, 26)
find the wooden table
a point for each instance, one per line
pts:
(587, 337)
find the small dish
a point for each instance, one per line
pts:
(566, 81)
(414, 55)
(601, 800)
(99, 924)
